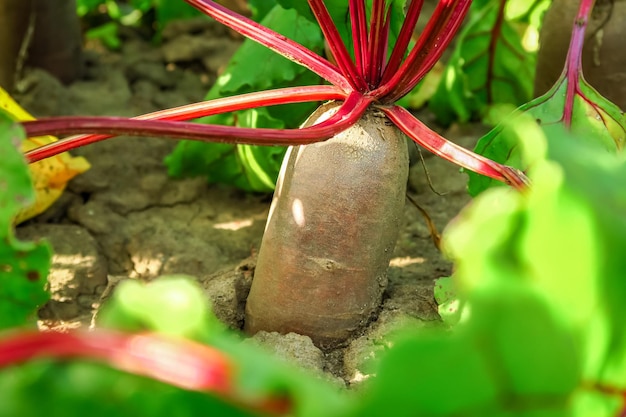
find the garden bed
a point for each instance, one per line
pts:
(125, 219)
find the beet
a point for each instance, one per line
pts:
(331, 232)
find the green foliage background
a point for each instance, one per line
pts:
(489, 64)
(148, 13)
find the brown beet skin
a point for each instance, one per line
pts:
(331, 231)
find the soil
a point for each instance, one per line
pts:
(125, 219)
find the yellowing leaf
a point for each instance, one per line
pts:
(49, 176)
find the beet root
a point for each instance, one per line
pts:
(332, 228)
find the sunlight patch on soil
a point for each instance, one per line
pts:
(234, 225)
(145, 266)
(406, 261)
(64, 272)
(71, 260)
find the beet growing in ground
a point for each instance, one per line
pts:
(125, 219)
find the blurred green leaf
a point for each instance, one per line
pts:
(597, 180)
(23, 265)
(440, 375)
(85, 6)
(595, 404)
(532, 350)
(80, 388)
(174, 305)
(15, 185)
(339, 12)
(303, 9)
(557, 240)
(449, 305)
(508, 358)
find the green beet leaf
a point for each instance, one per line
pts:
(594, 119)
(571, 104)
(489, 64)
(561, 227)
(77, 388)
(252, 168)
(23, 265)
(554, 244)
(303, 9)
(339, 12)
(260, 8)
(531, 351)
(595, 404)
(597, 179)
(256, 68)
